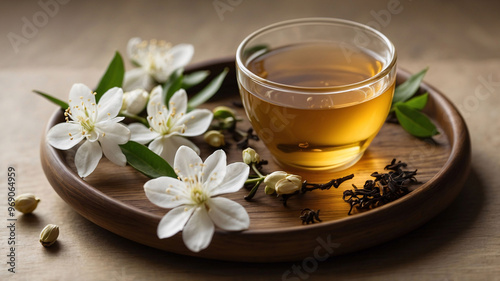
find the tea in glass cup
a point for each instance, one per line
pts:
(316, 91)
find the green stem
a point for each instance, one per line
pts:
(257, 171)
(135, 117)
(257, 182)
(252, 192)
(253, 180)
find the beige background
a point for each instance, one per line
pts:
(458, 40)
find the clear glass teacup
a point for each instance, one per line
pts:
(316, 90)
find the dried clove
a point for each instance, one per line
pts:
(385, 188)
(244, 138)
(333, 183)
(309, 216)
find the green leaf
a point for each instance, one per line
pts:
(407, 89)
(415, 122)
(146, 161)
(417, 102)
(173, 84)
(113, 77)
(57, 101)
(195, 78)
(207, 92)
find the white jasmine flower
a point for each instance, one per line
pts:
(169, 126)
(134, 101)
(196, 211)
(156, 61)
(96, 124)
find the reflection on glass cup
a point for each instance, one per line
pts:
(317, 90)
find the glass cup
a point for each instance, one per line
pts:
(316, 90)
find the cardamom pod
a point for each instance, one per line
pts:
(49, 235)
(26, 203)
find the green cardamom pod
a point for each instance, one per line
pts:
(26, 203)
(49, 235)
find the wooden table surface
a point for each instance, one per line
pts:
(49, 45)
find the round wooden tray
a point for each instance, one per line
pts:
(113, 197)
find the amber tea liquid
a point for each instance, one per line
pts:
(314, 130)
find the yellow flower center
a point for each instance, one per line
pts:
(166, 123)
(84, 114)
(198, 196)
(87, 124)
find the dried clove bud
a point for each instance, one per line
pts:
(309, 216)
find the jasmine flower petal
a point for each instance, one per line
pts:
(198, 231)
(185, 162)
(214, 169)
(141, 134)
(166, 147)
(137, 78)
(181, 54)
(236, 175)
(196, 122)
(227, 214)
(87, 157)
(173, 221)
(115, 134)
(110, 104)
(179, 101)
(65, 135)
(167, 192)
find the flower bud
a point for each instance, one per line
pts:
(289, 185)
(135, 101)
(223, 112)
(227, 123)
(214, 138)
(26, 203)
(250, 156)
(271, 180)
(269, 190)
(49, 235)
